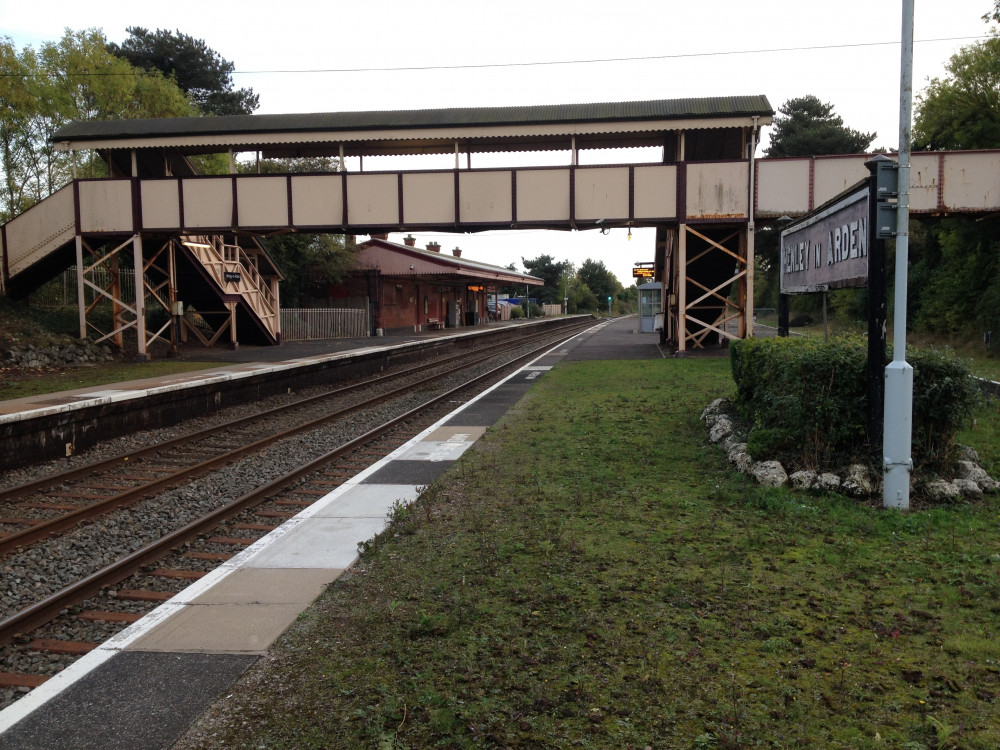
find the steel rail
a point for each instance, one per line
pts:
(42, 483)
(68, 520)
(44, 611)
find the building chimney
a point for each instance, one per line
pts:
(457, 252)
(380, 236)
(434, 247)
(409, 240)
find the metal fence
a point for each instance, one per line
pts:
(315, 323)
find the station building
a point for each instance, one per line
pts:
(409, 288)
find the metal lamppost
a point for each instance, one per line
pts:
(898, 425)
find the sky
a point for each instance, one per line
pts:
(303, 56)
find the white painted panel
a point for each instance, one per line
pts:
(717, 191)
(834, 176)
(655, 192)
(429, 198)
(317, 200)
(40, 230)
(543, 195)
(372, 199)
(972, 181)
(208, 202)
(923, 182)
(160, 204)
(262, 201)
(601, 193)
(782, 187)
(485, 197)
(106, 206)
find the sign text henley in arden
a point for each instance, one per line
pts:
(828, 250)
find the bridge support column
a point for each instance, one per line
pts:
(681, 287)
(140, 299)
(81, 299)
(745, 298)
(710, 260)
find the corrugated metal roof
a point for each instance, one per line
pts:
(447, 259)
(546, 114)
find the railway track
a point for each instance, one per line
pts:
(44, 636)
(52, 504)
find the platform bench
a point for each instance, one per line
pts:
(433, 324)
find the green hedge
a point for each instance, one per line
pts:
(806, 402)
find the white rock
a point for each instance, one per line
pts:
(802, 480)
(967, 453)
(715, 409)
(770, 473)
(827, 482)
(739, 457)
(968, 488)
(721, 429)
(858, 482)
(941, 490)
(975, 473)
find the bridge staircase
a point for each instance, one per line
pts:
(233, 288)
(211, 271)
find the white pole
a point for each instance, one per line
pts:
(140, 300)
(897, 435)
(81, 298)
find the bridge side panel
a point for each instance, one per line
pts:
(601, 193)
(160, 203)
(486, 197)
(373, 199)
(318, 200)
(837, 174)
(429, 198)
(655, 192)
(972, 181)
(262, 202)
(106, 206)
(782, 187)
(924, 182)
(543, 195)
(717, 191)
(208, 203)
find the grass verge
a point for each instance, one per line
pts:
(592, 574)
(21, 383)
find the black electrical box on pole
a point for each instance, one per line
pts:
(881, 207)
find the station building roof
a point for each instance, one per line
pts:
(393, 259)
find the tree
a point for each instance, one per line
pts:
(962, 111)
(545, 267)
(75, 78)
(807, 127)
(599, 280)
(581, 298)
(955, 264)
(200, 72)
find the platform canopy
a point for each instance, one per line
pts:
(426, 131)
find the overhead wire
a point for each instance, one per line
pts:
(545, 63)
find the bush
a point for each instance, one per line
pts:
(806, 402)
(944, 394)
